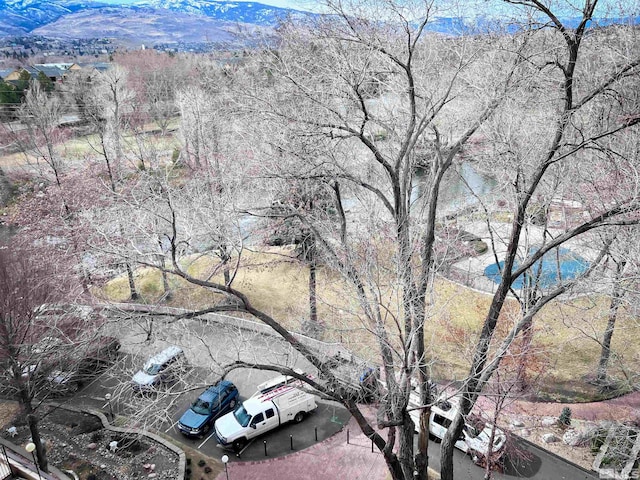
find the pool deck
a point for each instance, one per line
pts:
(470, 270)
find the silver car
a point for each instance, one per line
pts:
(162, 368)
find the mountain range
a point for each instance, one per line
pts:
(171, 21)
(149, 21)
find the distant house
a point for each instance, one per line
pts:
(5, 73)
(56, 72)
(98, 66)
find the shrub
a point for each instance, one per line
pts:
(598, 440)
(188, 461)
(201, 463)
(207, 469)
(480, 247)
(565, 417)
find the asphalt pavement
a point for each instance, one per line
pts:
(328, 419)
(340, 450)
(292, 451)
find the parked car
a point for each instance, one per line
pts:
(93, 358)
(57, 366)
(476, 433)
(162, 368)
(214, 402)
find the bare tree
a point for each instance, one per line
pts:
(366, 143)
(107, 104)
(359, 105)
(41, 112)
(28, 337)
(582, 127)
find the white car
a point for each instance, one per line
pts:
(476, 433)
(162, 368)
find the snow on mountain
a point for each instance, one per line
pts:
(24, 16)
(137, 25)
(59, 18)
(244, 12)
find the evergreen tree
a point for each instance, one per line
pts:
(45, 82)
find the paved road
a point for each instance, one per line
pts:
(209, 347)
(541, 465)
(321, 424)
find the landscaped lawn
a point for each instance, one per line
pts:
(277, 284)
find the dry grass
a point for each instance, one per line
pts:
(278, 284)
(87, 146)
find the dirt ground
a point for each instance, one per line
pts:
(79, 443)
(580, 454)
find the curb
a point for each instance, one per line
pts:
(182, 458)
(530, 444)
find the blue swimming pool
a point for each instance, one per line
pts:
(557, 264)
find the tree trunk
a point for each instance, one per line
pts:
(522, 381)
(32, 421)
(313, 304)
(132, 284)
(447, 446)
(616, 300)
(41, 451)
(165, 280)
(422, 457)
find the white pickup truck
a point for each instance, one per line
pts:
(261, 413)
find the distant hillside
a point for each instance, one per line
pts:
(146, 21)
(144, 25)
(186, 21)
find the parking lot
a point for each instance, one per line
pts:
(208, 348)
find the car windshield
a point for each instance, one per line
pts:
(201, 407)
(152, 368)
(242, 416)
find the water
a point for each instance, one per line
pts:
(459, 190)
(554, 267)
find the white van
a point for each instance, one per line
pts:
(475, 436)
(261, 413)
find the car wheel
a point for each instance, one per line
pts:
(232, 404)
(239, 444)
(206, 428)
(298, 418)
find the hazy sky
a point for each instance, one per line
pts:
(487, 7)
(297, 4)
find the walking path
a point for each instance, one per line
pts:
(335, 459)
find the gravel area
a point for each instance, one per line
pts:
(79, 443)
